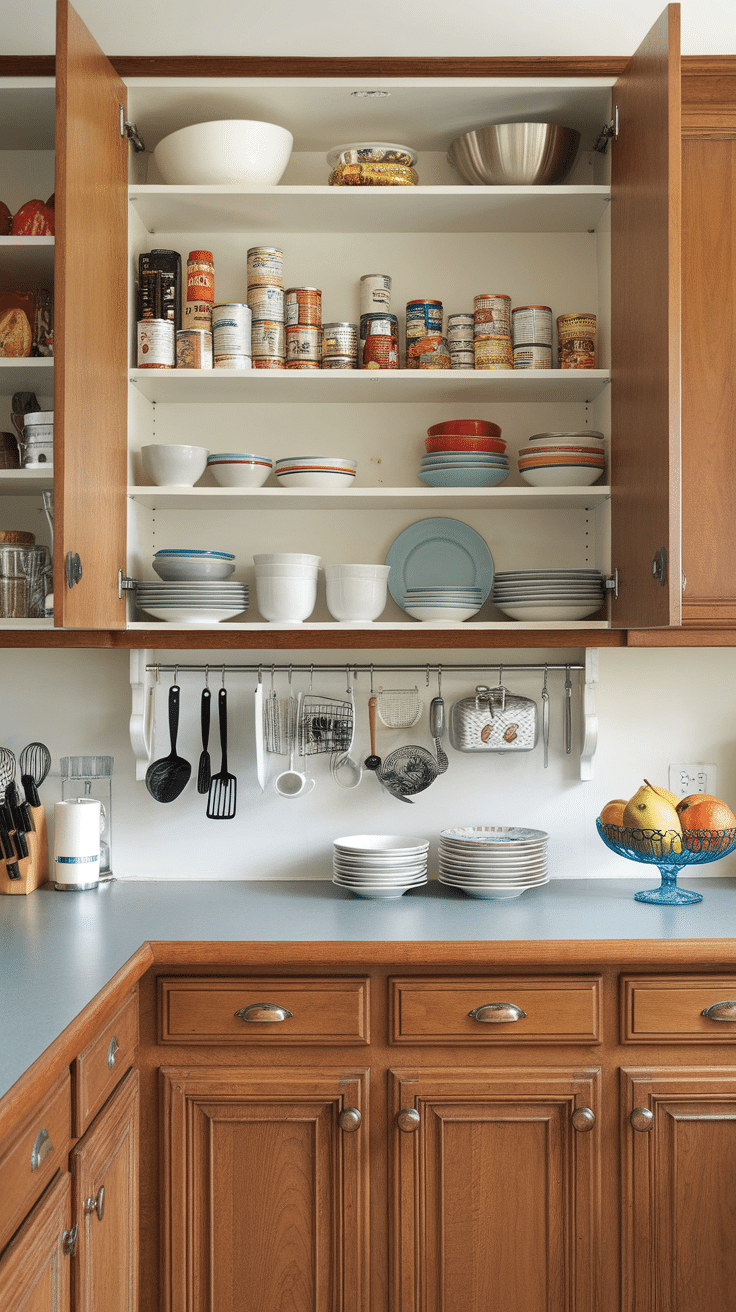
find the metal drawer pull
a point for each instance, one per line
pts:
(408, 1119)
(497, 1012)
(112, 1052)
(42, 1146)
(260, 1011)
(720, 1011)
(583, 1118)
(642, 1119)
(349, 1119)
(97, 1204)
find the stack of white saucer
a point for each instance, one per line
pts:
(493, 861)
(379, 865)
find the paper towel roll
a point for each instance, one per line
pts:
(77, 843)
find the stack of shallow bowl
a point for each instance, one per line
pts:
(286, 585)
(195, 587)
(316, 471)
(464, 453)
(443, 603)
(379, 865)
(493, 861)
(372, 164)
(563, 459)
(549, 594)
(233, 469)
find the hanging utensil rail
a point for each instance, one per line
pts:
(444, 667)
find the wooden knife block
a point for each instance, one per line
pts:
(34, 868)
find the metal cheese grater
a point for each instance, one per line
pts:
(494, 720)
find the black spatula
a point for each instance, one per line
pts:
(169, 776)
(223, 786)
(204, 771)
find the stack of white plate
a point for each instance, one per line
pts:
(443, 602)
(493, 861)
(549, 594)
(204, 602)
(379, 865)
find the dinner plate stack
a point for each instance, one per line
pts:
(379, 865)
(549, 594)
(493, 861)
(204, 602)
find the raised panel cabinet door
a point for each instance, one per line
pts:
(34, 1269)
(495, 1193)
(91, 333)
(678, 1189)
(645, 331)
(104, 1167)
(265, 1189)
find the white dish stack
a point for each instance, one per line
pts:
(379, 865)
(493, 861)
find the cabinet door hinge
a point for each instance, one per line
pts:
(72, 568)
(611, 584)
(125, 584)
(130, 131)
(609, 132)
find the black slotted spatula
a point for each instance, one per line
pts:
(169, 776)
(223, 786)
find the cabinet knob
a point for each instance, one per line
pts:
(583, 1118)
(112, 1052)
(97, 1204)
(720, 1011)
(496, 1013)
(349, 1119)
(408, 1120)
(641, 1119)
(263, 1011)
(69, 1241)
(42, 1146)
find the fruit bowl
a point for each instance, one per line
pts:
(669, 850)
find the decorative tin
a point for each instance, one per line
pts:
(531, 325)
(193, 349)
(339, 341)
(460, 328)
(423, 319)
(375, 293)
(156, 344)
(268, 362)
(378, 325)
(265, 266)
(303, 342)
(303, 307)
(493, 353)
(493, 308)
(266, 303)
(231, 330)
(433, 345)
(576, 341)
(201, 276)
(532, 357)
(267, 340)
(339, 362)
(462, 359)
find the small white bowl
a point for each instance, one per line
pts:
(355, 600)
(286, 571)
(174, 466)
(285, 558)
(224, 151)
(286, 600)
(357, 571)
(239, 470)
(562, 475)
(315, 478)
(448, 614)
(323, 462)
(187, 568)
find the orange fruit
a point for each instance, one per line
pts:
(613, 812)
(703, 811)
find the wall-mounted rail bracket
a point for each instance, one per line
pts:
(130, 131)
(142, 683)
(588, 717)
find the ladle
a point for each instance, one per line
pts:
(169, 776)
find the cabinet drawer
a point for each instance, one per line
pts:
(669, 1009)
(556, 1010)
(33, 1154)
(104, 1062)
(320, 1011)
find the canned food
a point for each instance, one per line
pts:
(461, 332)
(338, 361)
(232, 362)
(265, 266)
(339, 340)
(375, 293)
(268, 362)
(266, 303)
(231, 329)
(460, 321)
(303, 342)
(267, 339)
(423, 319)
(532, 325)
(462, 359)
(159, 285)
(436, 357)
(303, 364)
(380, 352)
(419, 346)
(493, 353)
(156, 344)
(201, 276)
(304, 307)
(495, 308)
(533, 356)
(197, 314)
(378, 325)
(193, 349)
(576, 338)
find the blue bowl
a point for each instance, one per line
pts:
(467, 477)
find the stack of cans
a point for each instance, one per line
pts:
(532, 333)
(303, 312)
(231, 335)
(340, 346)
(266, 304)
(378, 344)
(423, 331)
(492, 331)
(460, 339)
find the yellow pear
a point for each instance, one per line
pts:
(665, 792)
(650, 808)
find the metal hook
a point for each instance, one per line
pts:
(427, 682)
(273, 671)
(311, 677)
(206, 676)
(157, 668)
(260, 675)
(347, 678)
(176, 674)
(439, 680)
(500, 676)
(290, 672)
(223, 676)
(371, 680)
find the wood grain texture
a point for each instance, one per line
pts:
(669, 1009)
(91, 345)
(200, 1010)
(34, 868)
(350, 640)
(21, 1184)
(93, 1079)
(34, 1269)
(645, 330)
(437, 1010)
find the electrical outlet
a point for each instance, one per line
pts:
(694, 777)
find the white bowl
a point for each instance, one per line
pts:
(286, 600)
(285, 558)
(562, 475)
(185, 568)
(357, 571)
(450, 614)
(286, 571)
(315, 477)
(240, 471)
(353, 600)
(224, 151)
(174, 466)
(323, 462)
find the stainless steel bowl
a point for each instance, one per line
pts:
(515, 154)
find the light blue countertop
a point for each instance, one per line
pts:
(58, 950)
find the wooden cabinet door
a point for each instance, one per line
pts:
(91, 335)
(34, 1269)
(104, 1168)
(495, 1194)
(645, 330)
(265, 1194)
(679, 1189)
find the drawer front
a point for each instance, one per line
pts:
(257, 1011)
(103, 1063)
(669, 1009)
(34, 1153)
(507, 1010)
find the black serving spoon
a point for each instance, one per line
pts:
(169, 776)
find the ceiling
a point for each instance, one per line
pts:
(429, 28)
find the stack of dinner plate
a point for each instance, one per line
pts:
(549, 594)
(207, 601)
(493, 861)
(379, 865)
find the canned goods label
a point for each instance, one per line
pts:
(419, 346)
(380, 352)
(193, 349)
(197, 314)
(232, 362)
(303, 364)
(378, 325)
(267, 339)
(265, 265)
(304, 306)
(423, 318)
(338, 362)
(229, 341)
(268, 362)
(461, 332)
(533, 356)
(493, 307)
(200, 276)
(156, 344)
(266, 303)
(465, 360)
(339, 339)
(231, 313)
(532, 325)
(303, 342)
(576, 338)
(493, 352)
(375, 293)
(460, 321)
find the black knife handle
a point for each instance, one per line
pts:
(13, 870)
(7, 846)
(30, 790)
(20, 844)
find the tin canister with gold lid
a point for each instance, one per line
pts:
(423, 319)
(493, 353)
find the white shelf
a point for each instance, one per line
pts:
(350, 386)
(26, 482)
(35, 374)
(284, 209)
(27, 261)
(369, 498)
(26, 624)
(260, 627)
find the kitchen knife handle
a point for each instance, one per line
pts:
(19, 843)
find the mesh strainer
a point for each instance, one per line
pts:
(399, 708)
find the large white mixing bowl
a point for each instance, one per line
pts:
(225, 151)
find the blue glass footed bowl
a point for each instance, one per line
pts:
(669, 851)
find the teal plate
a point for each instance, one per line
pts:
(439, 551)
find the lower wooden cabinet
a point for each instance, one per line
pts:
(35, 1267)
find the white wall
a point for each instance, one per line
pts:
(655, 707)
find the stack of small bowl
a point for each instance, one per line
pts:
(379, 865)
(444, 603)
(493, 861)
(233, 469)
(195, 587)
(464, 453)
(563, 459)
(356, 594)
(316, 471)
(286, 585)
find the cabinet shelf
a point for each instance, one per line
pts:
(26, 482)
(369, 498)
(509, 627)
(35, 374)
(28, 261)
(283, 209)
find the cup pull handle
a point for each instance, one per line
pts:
(496, 1013)
(263, 1011)
(720, 1011)
(112, 1052)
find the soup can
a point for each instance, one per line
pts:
(268, 362)
(201, 276)
(460, 328)
(156, 344)
(533, 356)
(197, 314)
(437, 356)
(340, 341)
(233, 362)
(423, 319)
(462, 359)
(339, 362)
(532, 325)
(303, 342)
(267, 340)
(431, 345)
(265, 266)
(304, 307)
(493, 353)
(193, 349)
(266, 303)
(375, 293)
(576, 341)
(495, 308)
(231, 329)
(378, 325)
(380, 352)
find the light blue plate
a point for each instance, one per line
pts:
(439, 552)
(467, 477)
(184, 551)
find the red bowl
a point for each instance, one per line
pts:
(450, 443)
(464, 428)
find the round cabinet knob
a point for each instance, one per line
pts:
(263, 1012)
(583, 1118)
(349, 1119)
(642, 1119)
(497, 1013)
(408, 1120)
